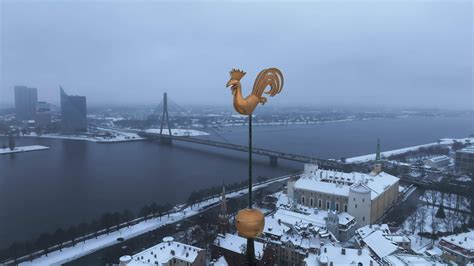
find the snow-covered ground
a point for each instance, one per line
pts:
(102, 241)
(116, 137)
(179, 132)
(449, 200)
(424, 220)
(23, 149)
(370, 157)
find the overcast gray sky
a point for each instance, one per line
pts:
(400, 54)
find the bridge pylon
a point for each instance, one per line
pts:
(163, 137)
(273, 161)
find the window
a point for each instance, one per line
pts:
(302, 199)
(327, 204)
(345, 207)
(337, 206)
(311, 202)
(363, 218)
(356, 205)
(320, 203)
(363, 200)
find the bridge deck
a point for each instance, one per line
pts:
(265, 152)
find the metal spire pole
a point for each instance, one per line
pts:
(250, 222)
(250, 252)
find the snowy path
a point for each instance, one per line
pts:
(102, 241)
(23, 149)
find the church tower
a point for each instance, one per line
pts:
(223, 226)
(332, 221)
(377, 155)
(378, 162)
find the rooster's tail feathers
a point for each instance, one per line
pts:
(268, 77)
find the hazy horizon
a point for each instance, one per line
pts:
(388, 54)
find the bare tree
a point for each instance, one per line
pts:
(412, 222)
(421, 212)
(434, 225)
(426, 197)
(433, 195)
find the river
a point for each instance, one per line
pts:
(77, 181)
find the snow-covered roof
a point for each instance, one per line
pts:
(380, 245)
(463, 240)
(438, 158)
(469, 149)
(345, 218)
(398, 238)
(339, 183)
(309, 242)
(237, 244)
(331, 255)
(408, 259)
(292, 218)
(221, 262)
(365, 231)
(164, 252)
(273, 227)
(315, 185)
(315, 217)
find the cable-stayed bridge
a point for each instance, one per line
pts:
(166, 137)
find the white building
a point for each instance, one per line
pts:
(408, 260)
(233, 248)
(294, 230)
(364, 196)
(334, 256)
(378, 239)
(342, 225)
(458, 248)
(437, 161)
(168, 252)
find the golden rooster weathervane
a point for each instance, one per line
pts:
(250, 221)
(268, 77)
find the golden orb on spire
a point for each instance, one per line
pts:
(250, 222)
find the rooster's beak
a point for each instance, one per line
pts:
(228, 84)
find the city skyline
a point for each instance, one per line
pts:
(223, 133)
(414, 54)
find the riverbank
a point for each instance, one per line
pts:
(370, 157)
(105, 240)
(23, 149)
(115, 135)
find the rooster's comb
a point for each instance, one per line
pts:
(237, 74)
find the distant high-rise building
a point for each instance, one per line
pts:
(73, 113)
(43, 114)
(25, 102)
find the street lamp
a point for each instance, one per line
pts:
(250, 221)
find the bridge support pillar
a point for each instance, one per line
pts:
(273, 161)
(165, 140)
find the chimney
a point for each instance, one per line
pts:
(125, 260)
